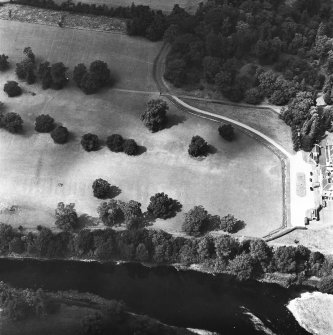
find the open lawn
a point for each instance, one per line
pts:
(164, 5)
(264, 120)
(242, 177)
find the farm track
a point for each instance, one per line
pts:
(283, 155)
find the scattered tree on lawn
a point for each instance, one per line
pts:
(111, 212)
(89, 83)
(130, 147)
(101, 188)
(230, 224)
(44, 123)
(4, 64)
(154, 117)
(198, 147)
(115, 143)
(60, 135)
(44, 72)
(196, 221)
(226, 131)
(90, 142)
(12, 89)
(161, 206)
(66, 216)
(58, 75)
(101, 71)
(79, 71)
(29, 54)
(12, 122)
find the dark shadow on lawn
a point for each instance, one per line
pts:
(174, 120)
(141, 150)
(211, 149)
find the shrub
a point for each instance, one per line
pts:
(12, 122)
(4, 65)
(130, 147)
(161, 206)
(326, 285)
(44, 123)
(226, 131)
(12, 89)
(115, 143)
(198, 147)
(101, 188)
(66, 216)
(90, 142)
(154, 118)
(60, 135)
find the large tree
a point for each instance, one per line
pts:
(12, 89)
(12, 122)
(101, 71)
(58, 74)
(101, 188)
(161, 206)
(115, 143)
(226, 131)
(90, 142)
(154, 117)
(198, 147)
(44, 123)
(60, 135)
(66, 216)
(196, 221)
(4, 64)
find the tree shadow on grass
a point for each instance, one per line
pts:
(141, 150)
(85, 221)
(211, 149)
(174, 120)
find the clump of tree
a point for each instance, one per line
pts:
(198, 147)
(60, 135)
(44, 123)
(226, 131)
(115, 143)
(53, 76)
(116, 212)
(101, 188)
(25, 70)
(130, 147)
(11, 121)
(197, 221)
(230, 224)
(66, 217)
(163, 207)
(4, 64)
(90, 142)
(18, 304)
(154, 117)
(12, 88)
(91, 81)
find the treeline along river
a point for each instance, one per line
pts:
(181, 298)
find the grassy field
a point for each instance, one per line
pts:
(266, 121)
(242, 177)
(164, 5)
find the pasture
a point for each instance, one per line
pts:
(242, 178)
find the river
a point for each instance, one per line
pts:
(181, 298)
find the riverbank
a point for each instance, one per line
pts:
(187, 299)
(314, 312)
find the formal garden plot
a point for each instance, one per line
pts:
(240, 177)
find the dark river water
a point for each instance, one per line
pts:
(181, 298)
